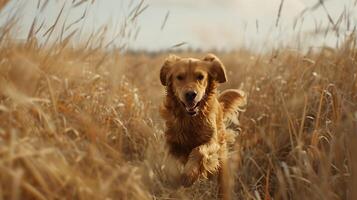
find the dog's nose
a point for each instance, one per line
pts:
(191, 95)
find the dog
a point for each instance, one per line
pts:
(196, 117)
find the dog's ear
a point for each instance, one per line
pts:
(165, 69)
(217, 69)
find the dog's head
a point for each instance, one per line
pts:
(189, 78)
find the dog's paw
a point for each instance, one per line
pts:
(190, 176)
(187, 179)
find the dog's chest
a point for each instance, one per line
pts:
(191, 132)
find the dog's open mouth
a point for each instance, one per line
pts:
(192, 108)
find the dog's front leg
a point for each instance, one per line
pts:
(203, 160)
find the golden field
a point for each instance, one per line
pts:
(82, 123)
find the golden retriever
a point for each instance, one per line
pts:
(195, 117)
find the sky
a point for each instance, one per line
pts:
(204, 24)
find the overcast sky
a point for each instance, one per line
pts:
(223, 24)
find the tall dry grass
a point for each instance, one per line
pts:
(82, 122)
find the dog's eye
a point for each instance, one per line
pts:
(200, 77)
(179, 77)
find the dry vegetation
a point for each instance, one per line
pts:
(83, 123)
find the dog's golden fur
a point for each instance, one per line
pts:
(199, 141)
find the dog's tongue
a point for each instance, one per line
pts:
(191, 109)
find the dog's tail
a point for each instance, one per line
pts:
(233, 102)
